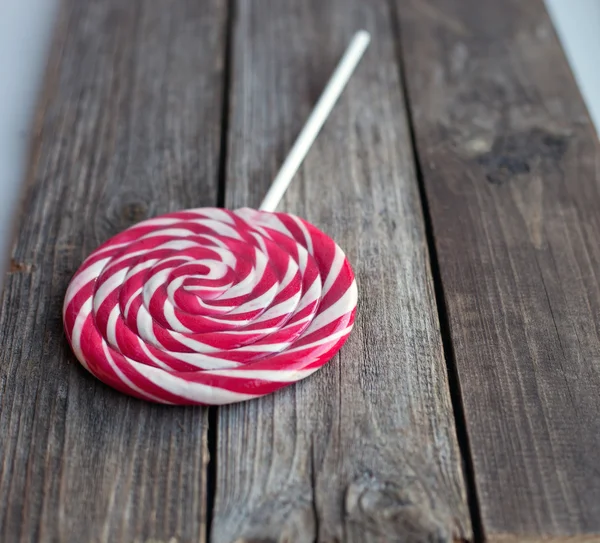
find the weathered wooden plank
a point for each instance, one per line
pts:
(510, 164)
(129, 128)
(364, 450)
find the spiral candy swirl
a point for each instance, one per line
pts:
(210, 306)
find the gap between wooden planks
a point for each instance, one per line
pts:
(509, 159)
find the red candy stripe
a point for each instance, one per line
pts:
(210, 306)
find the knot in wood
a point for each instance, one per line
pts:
(400, 513)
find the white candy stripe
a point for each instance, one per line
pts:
(149, 354)
(277, 310)
(153, 283)
(82, 279)
(108, 287)
(312, 295)
(145, 326)
(302, 258)
(214, 213)
(270, 348)
(172, 233)
(111, 327)
(174, 286)
(335, 311)
(172, 319)
(307, 237)
(197, 346)
(220, 228)
(82, 316)
(261, 242)
(131, 300)
(122, 376)
(334, 271)
(332, 338)
(279, 376)
(251, 281)
(206, 362)
(189, 390)
(273, 222)
(256, 303)
(145, 265)
(158, 221)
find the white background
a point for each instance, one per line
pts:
(25, 33)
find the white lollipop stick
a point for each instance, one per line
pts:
(317, 118)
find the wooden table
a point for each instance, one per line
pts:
(460, 173)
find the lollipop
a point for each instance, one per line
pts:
(210, 306)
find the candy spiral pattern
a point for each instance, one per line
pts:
(209, 306)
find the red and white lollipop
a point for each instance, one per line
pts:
(210, 306)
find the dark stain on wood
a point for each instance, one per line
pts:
(134, 212)
(512, 154)
(19, 267)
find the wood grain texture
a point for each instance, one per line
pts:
(511, 167)
(364, 450)
(129, 128)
